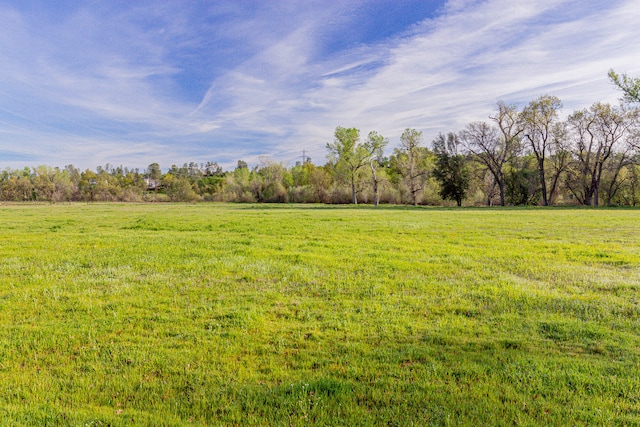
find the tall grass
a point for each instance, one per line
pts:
(314, 315)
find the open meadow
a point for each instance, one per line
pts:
(216, 314)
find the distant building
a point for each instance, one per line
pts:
(152, 184)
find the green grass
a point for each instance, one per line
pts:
(313, 315)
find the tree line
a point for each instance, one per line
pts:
(527, 156)
(519, 156)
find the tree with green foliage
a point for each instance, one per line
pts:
(450, 170)
(87, 184)
(237, 184)
(153, 171)
(522, 181)
(63, 186)
(377, 142)
(412, 155)
(42, 179)
(179, 188)
(271, 189)
(616, 177)
(349, 156)
(630, 86)
(319, 182)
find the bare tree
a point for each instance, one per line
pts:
(544, 136)
(620, 161)
(482, 140)
(494, 146)
(598, 133)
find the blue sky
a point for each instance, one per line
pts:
(130, 83)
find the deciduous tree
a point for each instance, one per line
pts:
(349, 156)
(411, 157)
(483, 141)
(544, 134)
(377, 143)
(450, 170)
(597, 133)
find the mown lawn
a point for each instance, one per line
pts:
(213, 314)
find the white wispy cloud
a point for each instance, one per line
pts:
(169, 82)
(456, 68)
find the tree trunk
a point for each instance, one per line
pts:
(376, 198)
(354, 199)
(543, 183)
(412, 177)
(593, 191)
(414, 191)
(501, 189)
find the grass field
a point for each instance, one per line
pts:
(314, 315)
